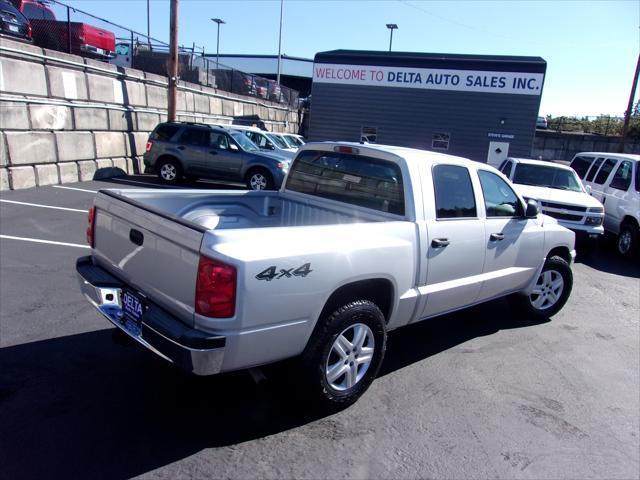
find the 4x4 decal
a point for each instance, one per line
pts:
(270, 273)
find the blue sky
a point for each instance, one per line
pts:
(591, 47)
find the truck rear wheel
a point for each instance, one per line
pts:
(550, 293)
(345, 354)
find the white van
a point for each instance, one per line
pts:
(559, 193)
(614, 179)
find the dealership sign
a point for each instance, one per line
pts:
(519, 83)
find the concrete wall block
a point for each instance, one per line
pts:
(47, 175)
(50, 117)
(14, 116)
(132, 72)
(105, 89)
(68, 172)
(238, 109)
(75, 146)
(109, 144)
(120, 163)
(21, 47)
(135, 165)
(156, 78)
(189, 99)
(4, 158)
(136, 143)
(91, 118)
(21, 177)
(145, 122)
(156, 96)
(201, 103)
(55, 56)
(104, 163)
(86, 170)
(66, 83)
(122, 121)
(101, 65)
(31, 147)
(227, 108)
(4, 179)
(135, 93)
(18, 76)
(215, 106)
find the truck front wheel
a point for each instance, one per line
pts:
(345, 353)
(550, 293)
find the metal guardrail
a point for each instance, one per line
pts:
(57, 26)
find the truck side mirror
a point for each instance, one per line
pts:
(588, 189)
(532, 209)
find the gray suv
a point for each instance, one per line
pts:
(176, 150)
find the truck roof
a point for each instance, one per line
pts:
(411, 154)
(544, 163)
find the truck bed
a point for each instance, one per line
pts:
(234, 210)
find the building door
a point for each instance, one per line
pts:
(498, 151)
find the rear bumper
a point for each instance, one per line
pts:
(162, 333)
(97, 51)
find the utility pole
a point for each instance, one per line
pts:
(148, 23)
(280, 42)
(173, 61)
(627, 114)
(219, 22)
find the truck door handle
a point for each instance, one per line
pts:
(496, 237)
(439, 242)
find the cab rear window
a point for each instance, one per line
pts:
(354, 179)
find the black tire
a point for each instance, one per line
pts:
(259, 179)
(321, 353)
(551, 292)
(169, 171)
(627, 241)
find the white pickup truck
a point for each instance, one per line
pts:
(359, 240)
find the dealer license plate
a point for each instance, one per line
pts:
(133, 308)
(13, 28)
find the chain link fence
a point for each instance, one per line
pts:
(58, 26)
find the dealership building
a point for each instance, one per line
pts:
(476, 106)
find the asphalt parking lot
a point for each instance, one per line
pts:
(478, 394)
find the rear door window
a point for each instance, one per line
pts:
(593, 169)
(622, 178)
(454, 192)
(604, 171)
(198, 137)
(355, 179)
(581, 165)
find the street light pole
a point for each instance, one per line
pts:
(280, 42)
(148, 23)
(173, 61)
(218, 21)
(392, 27)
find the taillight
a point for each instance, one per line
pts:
(29, 31)
(149, 145)
(215, 289)
(91, 227)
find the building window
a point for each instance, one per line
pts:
(440, 141)
(369, 134)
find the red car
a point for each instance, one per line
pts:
(76, 37)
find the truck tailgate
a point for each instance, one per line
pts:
(151, 251)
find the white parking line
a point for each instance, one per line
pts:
(74, 188)
(50, 242)
(43, 206)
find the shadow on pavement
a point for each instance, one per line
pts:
(83, 407)
(605, 258)
(152, 181)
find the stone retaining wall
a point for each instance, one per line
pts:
(552, 145)
(62, 116)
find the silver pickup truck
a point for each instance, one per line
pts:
(359, 240)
